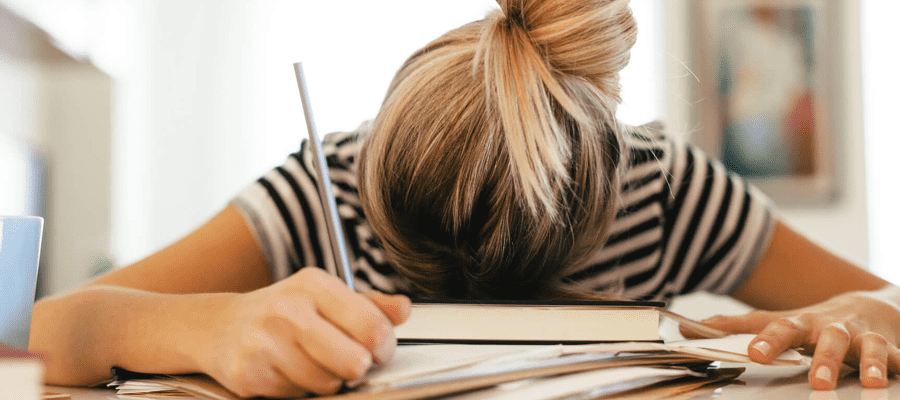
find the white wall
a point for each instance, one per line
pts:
(77, 130)
(881, 85)
(182, 132)
(18, 110)
(208, 100)
(20, 81)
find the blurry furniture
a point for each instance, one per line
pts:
(60, 108)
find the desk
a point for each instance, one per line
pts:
(758, 382)
(762, 382)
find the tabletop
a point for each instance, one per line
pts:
(757, 382)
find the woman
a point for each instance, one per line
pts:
(495, 169)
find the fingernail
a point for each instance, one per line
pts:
(763, 347)
(334, 386)
(875, 373)
(714, 318)
(385, 351)
(362, 367)
(824, 373)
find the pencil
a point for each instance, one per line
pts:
(335, 232)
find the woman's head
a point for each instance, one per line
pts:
(491, 166)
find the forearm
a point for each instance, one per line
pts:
(795, 272)
(84, 333)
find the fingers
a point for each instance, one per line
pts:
(831, 349)
(778, 336)
(303, 376)
(752, 322)
(271, 365)
(294, 371)
(353, 314)
(309, 333)
(324, 343)
(874, 352)
(395, 307)
(893, 360)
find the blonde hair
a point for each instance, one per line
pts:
(492, 165)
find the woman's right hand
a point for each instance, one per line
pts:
(305, 334)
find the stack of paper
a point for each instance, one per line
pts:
(515, 371)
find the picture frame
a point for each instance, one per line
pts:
(768, 84)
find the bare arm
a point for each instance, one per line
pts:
(795, 272)
(219, 256)
(205, 304)
(85, 332)
(82, 332)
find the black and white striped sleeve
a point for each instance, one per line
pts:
(283, 211)
(285, 214)
(716, 225)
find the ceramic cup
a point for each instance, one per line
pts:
(20, 248)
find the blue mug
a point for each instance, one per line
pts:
(20, 248)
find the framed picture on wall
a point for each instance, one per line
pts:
(766, 72)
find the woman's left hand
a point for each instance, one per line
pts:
(860, 329)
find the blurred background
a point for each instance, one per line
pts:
(128, 123)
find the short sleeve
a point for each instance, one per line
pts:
(717, 226)
(683, 224)
(285, 214)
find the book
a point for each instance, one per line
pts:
(537, 322)
(21, 374)
(487, 371)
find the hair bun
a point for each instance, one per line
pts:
(512, 10)
(585, 38)
(539, 56)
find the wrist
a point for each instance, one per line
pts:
(206, 318)
(889, 294)
(168, 333)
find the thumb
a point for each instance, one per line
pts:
(752, 322)
(395, 307)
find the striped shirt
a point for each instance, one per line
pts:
(683, 224)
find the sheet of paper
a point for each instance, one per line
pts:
(590, 384)
(738, 344)
(424, 359)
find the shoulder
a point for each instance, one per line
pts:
(645, 143)
(650, 149)
(340, 148)
(648, 156)
(346, 141)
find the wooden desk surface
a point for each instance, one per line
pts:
(758, 382)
